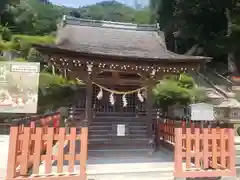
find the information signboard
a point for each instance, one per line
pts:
(121, 130)
(19, 87)
(202, 112)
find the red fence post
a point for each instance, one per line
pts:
(178, 152)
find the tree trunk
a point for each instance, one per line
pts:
(231, 61)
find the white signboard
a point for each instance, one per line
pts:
(202, 112)
(121, 130)
(19, 87)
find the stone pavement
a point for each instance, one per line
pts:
(4, 140)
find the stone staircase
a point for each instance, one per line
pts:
(217, 86)
(103, 134)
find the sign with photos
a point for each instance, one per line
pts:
(19, 87)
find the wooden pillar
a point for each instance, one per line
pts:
(89, 91)
(149, 112)
(85, 123)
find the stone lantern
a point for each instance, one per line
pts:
(229, 111)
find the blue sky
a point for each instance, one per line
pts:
(77, 3)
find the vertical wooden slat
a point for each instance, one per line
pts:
(205, 148)
(48, 161)
(72, 149)
(222, 148)
(188, 147)
(37, 150)
(25, 151)
(214, 148)
(178, 152)
(83, 154)
(197, 148)
(12, 152)
(61, 150)
(232, 151)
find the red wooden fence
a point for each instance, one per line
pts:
(36, 138)
(200, 151)
(44, 122)
(207, 153)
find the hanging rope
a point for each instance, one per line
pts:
(119, 92)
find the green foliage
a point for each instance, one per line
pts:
(23, 43)
(179, 90)
(114, 11)
(47, 80)
(5, 33)
(6, 45)
(33, 17)
(20, 60)
(199, 95)
(211, 25)
(169, 93)
(186, 81)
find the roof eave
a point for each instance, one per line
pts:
(48, 49)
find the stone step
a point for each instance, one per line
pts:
(117, 140)
(109, 127)
(121, 153)
(118, 118)
(115, 114)
(107, 136)
(106, 131)
(133, 123)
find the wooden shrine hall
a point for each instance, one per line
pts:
(114, 115)
(119, 63)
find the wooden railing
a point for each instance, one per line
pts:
(207, 153)
(201, 149)
(44, 121)
(38, 136)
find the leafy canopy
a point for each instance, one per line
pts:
(177, 90)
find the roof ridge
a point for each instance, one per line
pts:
(68, 20)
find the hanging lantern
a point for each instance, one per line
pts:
(111, 99)
(100, 94)
(140, 97)
(124, 100)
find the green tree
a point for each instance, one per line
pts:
(177, 90)
(200, 27)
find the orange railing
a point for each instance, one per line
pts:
(38, 136)
(44, 121)
(205, 153)
(201, 149)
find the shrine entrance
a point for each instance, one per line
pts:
(119, 65)
(104, 105)
(116, 92)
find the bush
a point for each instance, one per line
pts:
(186, 81)
(169, 92)
(5, 33)
(177, 90)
